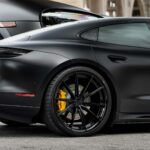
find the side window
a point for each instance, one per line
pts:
(130, 34)
(1, 37)
(91, 35)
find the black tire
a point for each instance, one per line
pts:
(84, 118)
(13, 123)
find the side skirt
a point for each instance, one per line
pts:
(17, 113)
(131, 118)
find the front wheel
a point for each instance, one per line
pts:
(78, 102)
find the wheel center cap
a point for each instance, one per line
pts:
(78, 101)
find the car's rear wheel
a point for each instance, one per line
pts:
(78, 102)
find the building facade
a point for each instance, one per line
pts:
(78, 3)
(125, 8)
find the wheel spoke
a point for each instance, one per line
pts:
(69, 90)
(76, 86)
(86, 87)
(94, 104)
(66, 114)
(66, 110)
(90, 112)
(64, 117)
(82, 116)
(94, 92)
(73, 117)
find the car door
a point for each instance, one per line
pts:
(123, 49)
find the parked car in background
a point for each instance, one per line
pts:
(19, 16)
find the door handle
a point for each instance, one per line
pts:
(117, 59)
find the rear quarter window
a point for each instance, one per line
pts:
(90, 35)
(129, 34)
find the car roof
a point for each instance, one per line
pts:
(71, 30)
(15, 10)
(88, 24)
(126, 19)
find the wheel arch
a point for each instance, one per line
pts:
(85, 63)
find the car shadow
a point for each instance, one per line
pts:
(127, 129)
(39, 130)
(36, 130)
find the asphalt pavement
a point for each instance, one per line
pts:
(37, 137)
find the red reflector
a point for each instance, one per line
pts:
(7, 24)
(25, 95)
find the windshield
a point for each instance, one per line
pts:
(53, 18)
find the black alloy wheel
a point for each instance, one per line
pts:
(78, 102)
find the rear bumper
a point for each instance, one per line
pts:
(29, 73)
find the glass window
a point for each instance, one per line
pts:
(58, 17)
(90, 35)
(1, 37)
(130, 34)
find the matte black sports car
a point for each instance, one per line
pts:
(18, 16)
(77, 77)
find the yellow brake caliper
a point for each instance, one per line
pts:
(62, 104)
